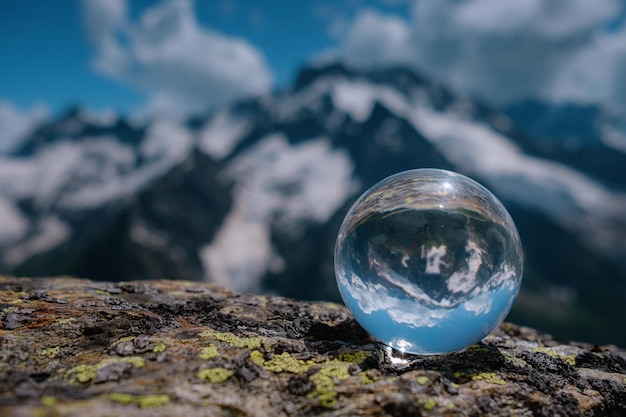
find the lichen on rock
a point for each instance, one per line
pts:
(161, 348)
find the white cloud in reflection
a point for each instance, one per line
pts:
(414, 306)
(464, 280)
(434, 259)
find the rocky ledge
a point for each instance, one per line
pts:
(72, 347)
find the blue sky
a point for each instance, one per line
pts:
(47, 56)
(179, 56)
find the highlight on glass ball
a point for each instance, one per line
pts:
(428, 261)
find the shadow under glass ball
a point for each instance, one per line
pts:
(428, 261)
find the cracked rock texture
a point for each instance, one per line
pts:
(72, 347)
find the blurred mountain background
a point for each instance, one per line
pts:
(224, 141)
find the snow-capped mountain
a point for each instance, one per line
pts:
(251, 196)
(585, 137)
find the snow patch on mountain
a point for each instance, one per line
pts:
(13, 225)
(357, 98)
(49, 232)
(572, 199)
(94, 171)
(220, 136)
(276, 184)
(613, 137)
(568, 197)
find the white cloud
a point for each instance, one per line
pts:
(502, 50)
(182, 66)
(375, 39)
(15, 124)
(102, 19)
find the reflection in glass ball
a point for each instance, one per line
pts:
(428, 261)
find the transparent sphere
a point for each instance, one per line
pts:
(428, 261)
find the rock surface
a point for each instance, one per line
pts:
(72, 347)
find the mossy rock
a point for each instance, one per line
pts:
(73, 347)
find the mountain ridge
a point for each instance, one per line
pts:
(252, 195)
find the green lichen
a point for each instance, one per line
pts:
(101, 292)
(208, 352)
(430, 404)
(507, 327)
(214, 375)
(422, 379)
(48, 401)
(357, 357)
(324, 390)
(142, 401)
(159, 348)
(287, 363)
(51, 352)
(122, 340)
(514, 360)
(257, 358)
(324, 379)
(569, 359)
(231, 339)
(87, 373)
(335, 371)
(490, 377)
(365, 378)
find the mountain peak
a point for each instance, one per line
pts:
(400, 77)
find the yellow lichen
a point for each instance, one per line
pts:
(122, 340)
(324, 390)
(490, 377)
(87, 373)
(365, 379)
(357, 357)
(287, 363)
(422, 380)
(507, 327)
(101, 292)
(514, 360)
(430, 404)
(51, 352)
(159, 348)
(324, 379)
(256, 357)
(231, 339)
(335, 371)
(143, 401)
(214, 375)
(569, 359)
(66, 321)
(209, 352)
(48, 400)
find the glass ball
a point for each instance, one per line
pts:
(428, 261)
